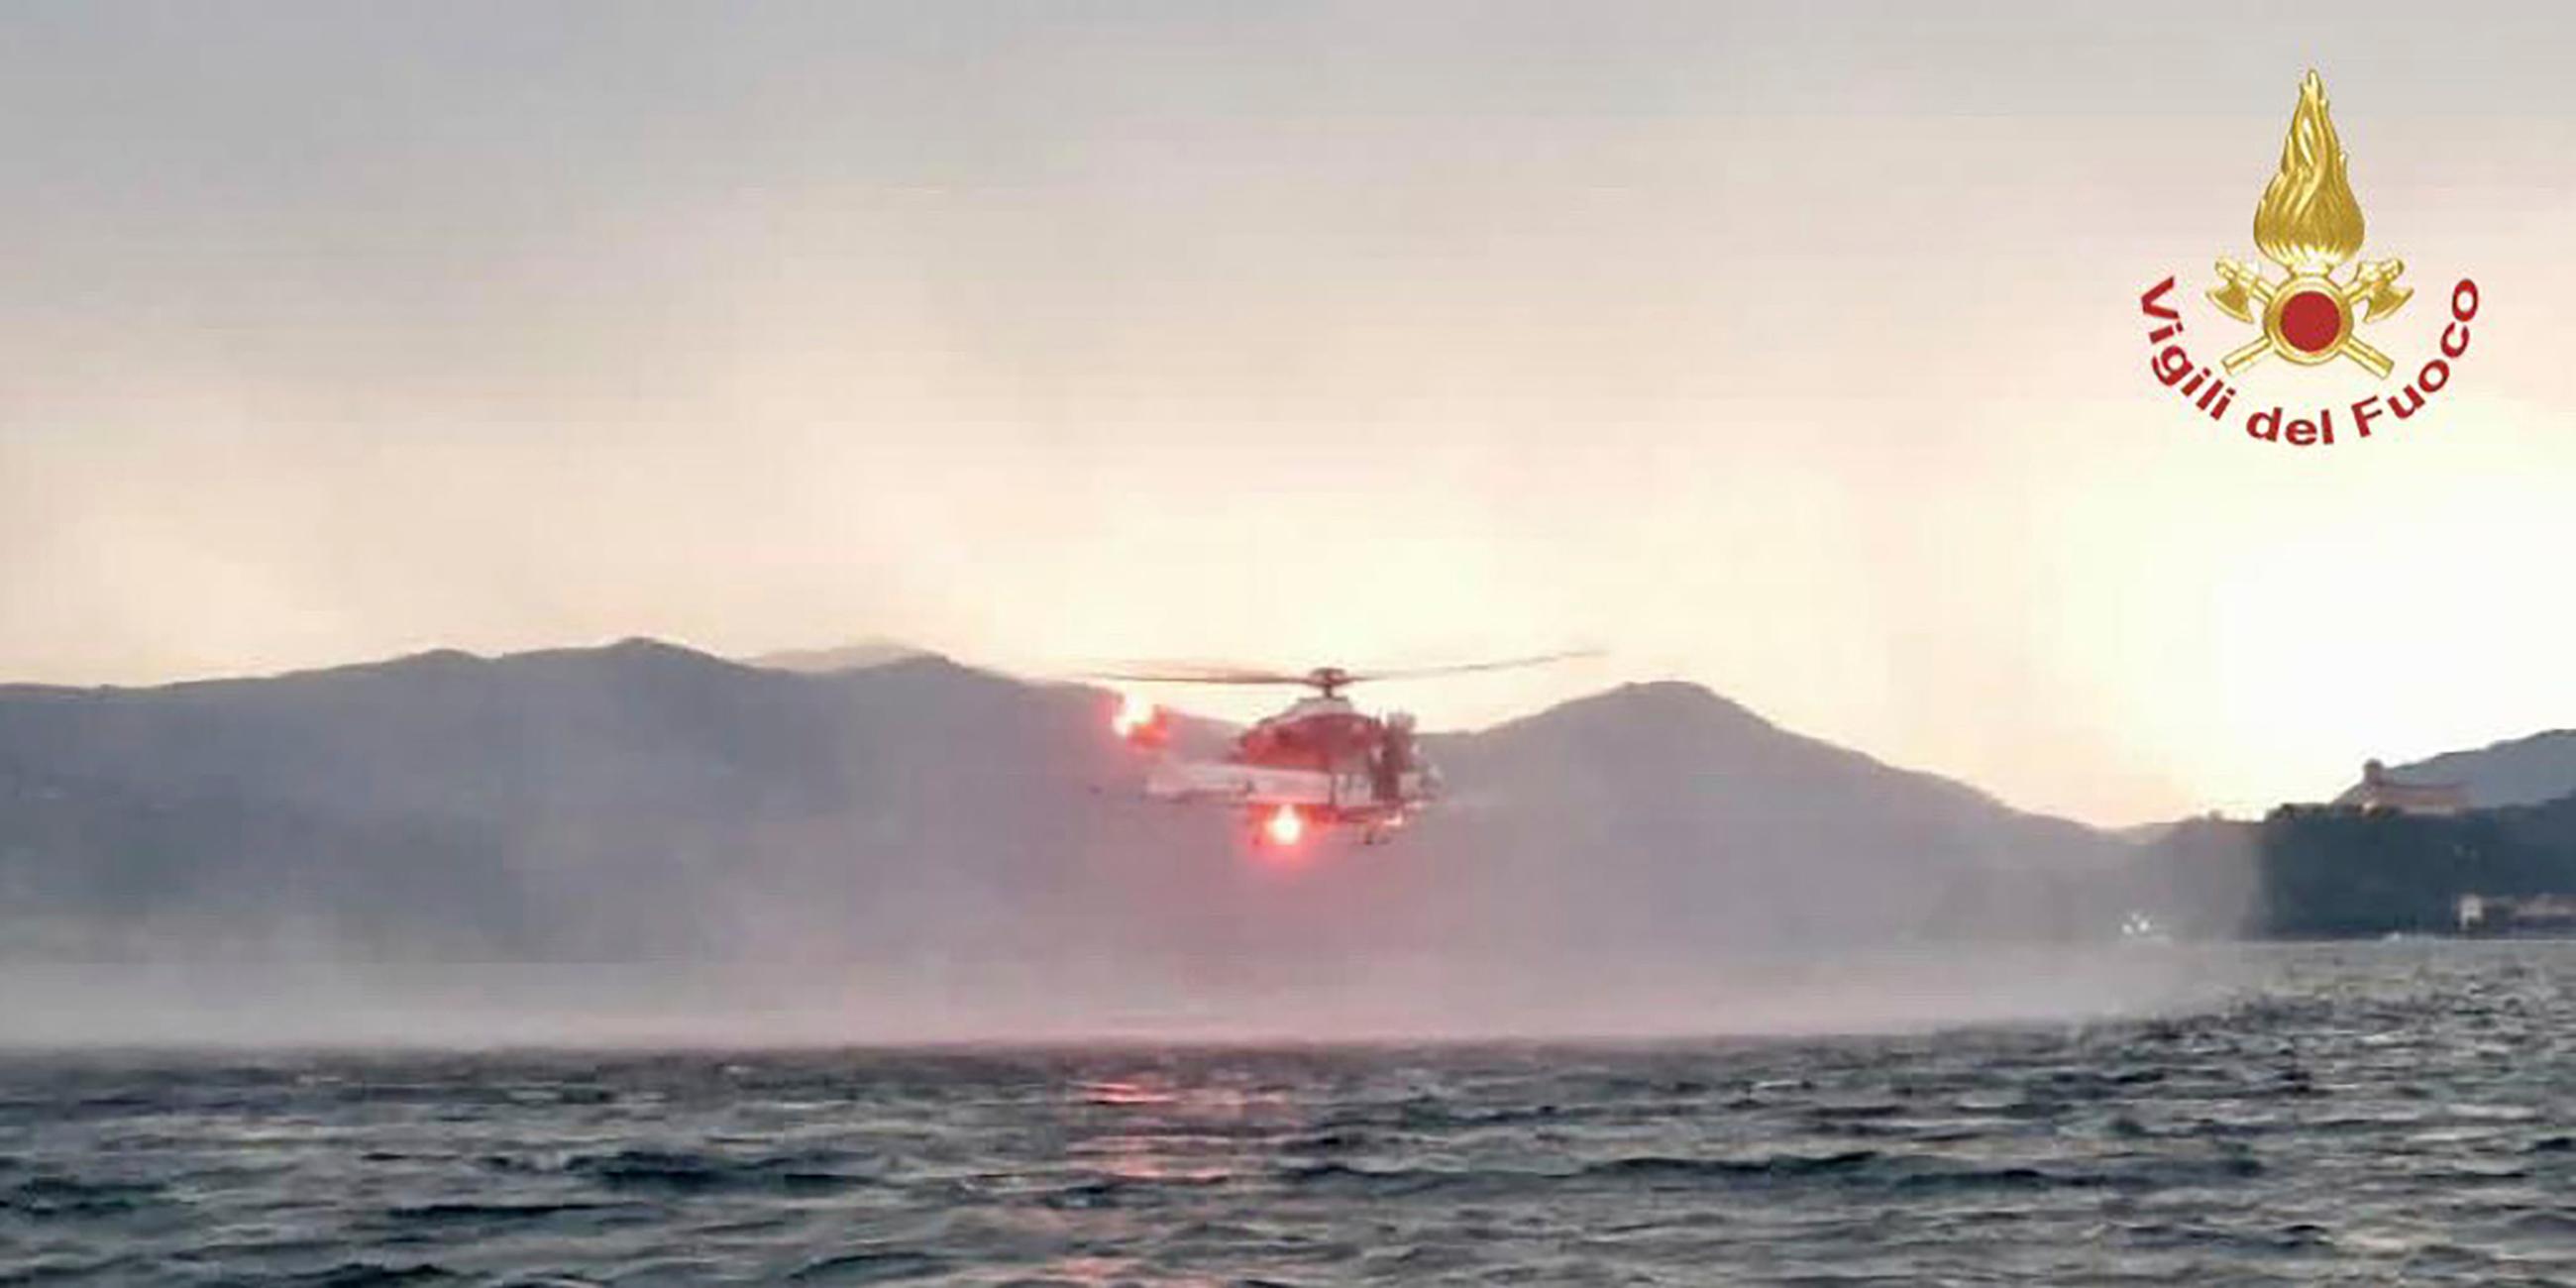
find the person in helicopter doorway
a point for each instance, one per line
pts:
(1394, 758)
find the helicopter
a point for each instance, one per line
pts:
(1322, 763)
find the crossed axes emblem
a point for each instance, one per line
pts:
(2308, 318)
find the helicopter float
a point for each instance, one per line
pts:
(1322, 763)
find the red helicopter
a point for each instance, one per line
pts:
(1320, 763)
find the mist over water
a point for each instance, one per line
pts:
(840, 1004)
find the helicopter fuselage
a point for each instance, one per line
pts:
(1321, 762)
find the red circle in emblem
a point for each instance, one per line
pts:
(2310, 322)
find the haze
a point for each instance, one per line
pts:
(347, 1005)
(1789, 350)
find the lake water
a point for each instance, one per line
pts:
(2372, 1113)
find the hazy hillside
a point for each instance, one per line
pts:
(642, 801)
(2521, 771)
(1664, 815)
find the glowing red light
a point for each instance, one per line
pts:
(1134, 713)
(1285, 827)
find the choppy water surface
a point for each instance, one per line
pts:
(2381, 1113)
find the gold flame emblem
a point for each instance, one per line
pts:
(2309, 224)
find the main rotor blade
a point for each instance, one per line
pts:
(1188, 674)
(1320, 677)
(1464, 668)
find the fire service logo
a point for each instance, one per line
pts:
(2308, 224)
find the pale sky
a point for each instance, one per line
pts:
(1793, 350)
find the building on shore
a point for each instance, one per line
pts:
(2531, 914)
(2380, 791)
